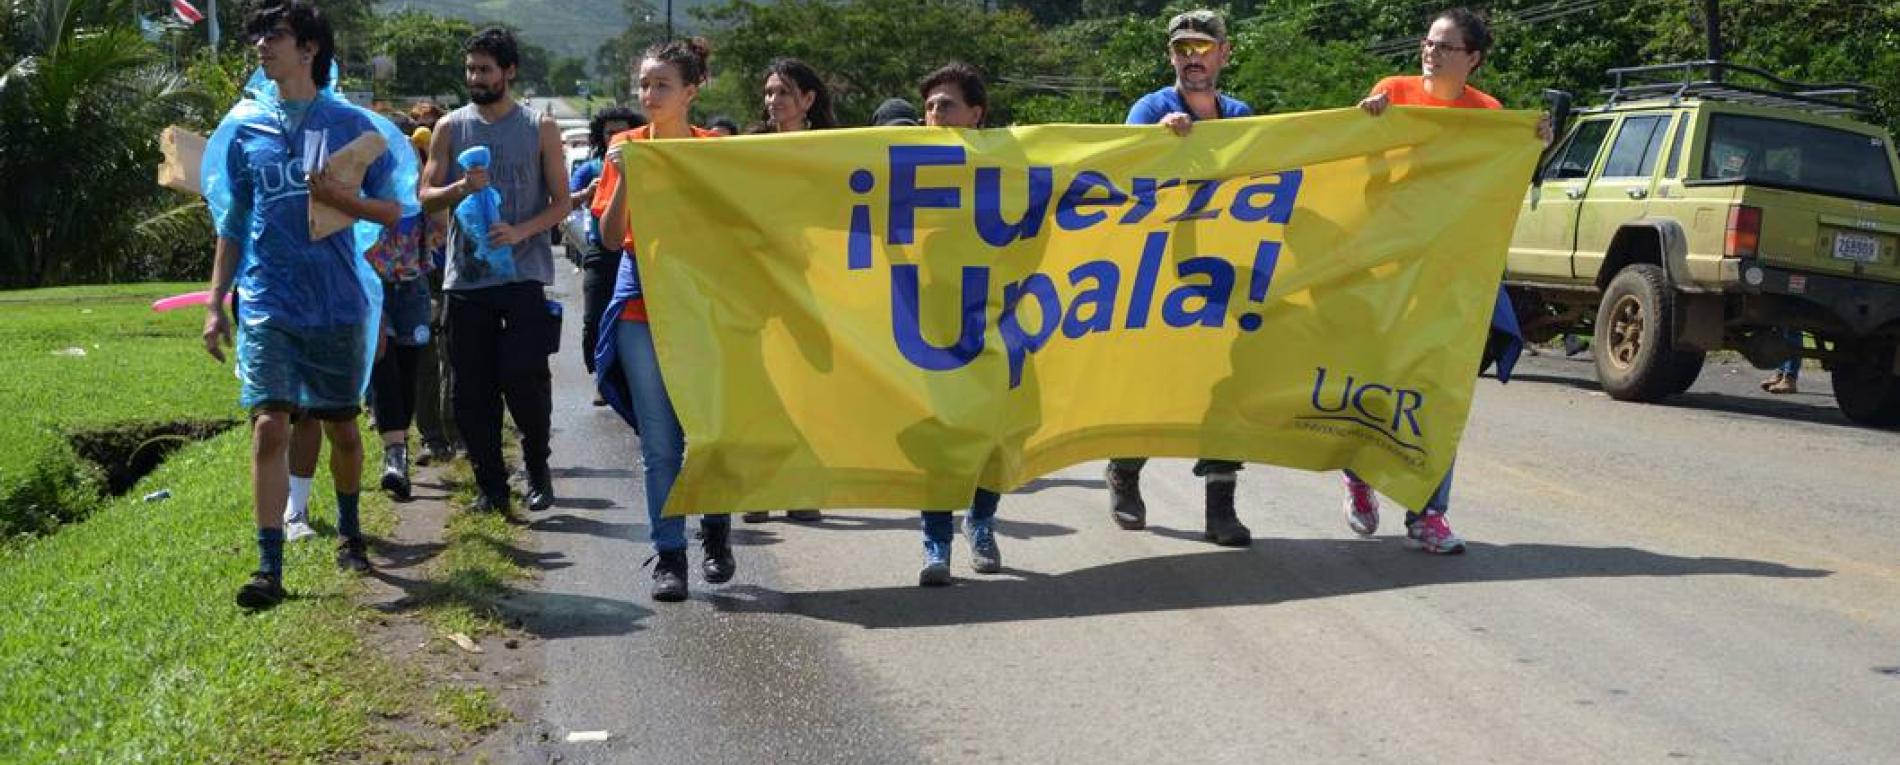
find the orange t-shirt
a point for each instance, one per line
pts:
(636, 309)
(1410, 91)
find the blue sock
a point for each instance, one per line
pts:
(270, 551)
(347, 525)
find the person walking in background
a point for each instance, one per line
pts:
(796, 99)
(600, 260)
(1787, 377)
(435, 416)
(500, 325)
(724, 126)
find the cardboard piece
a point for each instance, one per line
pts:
(347, 164)
(184, 153)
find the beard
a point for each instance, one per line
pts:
(1197, 80)
(484, 96)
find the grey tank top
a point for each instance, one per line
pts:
(514, 142)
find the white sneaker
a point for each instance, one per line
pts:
(297, 524)
(295, 530)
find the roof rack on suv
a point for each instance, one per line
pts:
(1712, 80)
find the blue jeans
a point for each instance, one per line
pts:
(940, 526)
(1792, 367)
(662, 443)
(1441, 499)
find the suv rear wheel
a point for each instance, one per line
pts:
(1635, 349)
(1865, 387)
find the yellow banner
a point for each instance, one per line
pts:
(893, 317)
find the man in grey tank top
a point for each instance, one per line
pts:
(499, 325)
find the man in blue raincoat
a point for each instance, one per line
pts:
(306, 309)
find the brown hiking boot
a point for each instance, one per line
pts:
(1781, 384)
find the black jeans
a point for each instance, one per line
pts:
(1202, 467)
(393, 380)
(498, 352)
(598, 272)
(435, 416)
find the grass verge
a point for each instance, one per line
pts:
(468, 579)
(86, 361)
(123, 644)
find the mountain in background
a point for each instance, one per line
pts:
(566, 28)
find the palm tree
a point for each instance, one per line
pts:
(82, 99)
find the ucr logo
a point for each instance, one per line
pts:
(1392, 412)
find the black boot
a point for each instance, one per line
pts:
(669, 577)
(718, 565)
(1124, 495)
(396, 471)
(540, 489)
(1222, 527)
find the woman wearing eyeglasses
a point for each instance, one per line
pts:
(1454, 47)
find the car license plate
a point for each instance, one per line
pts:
(1857, 248)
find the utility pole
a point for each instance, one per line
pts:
(669, 19)
(1712, 23)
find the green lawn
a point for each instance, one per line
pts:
(122, 643)
(82, 359)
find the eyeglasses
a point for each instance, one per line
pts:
(275, 34)
(1185, 48)
(1431, 44)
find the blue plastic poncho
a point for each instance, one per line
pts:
(254, 170)
(477, 211)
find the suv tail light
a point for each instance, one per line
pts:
(1744, 232)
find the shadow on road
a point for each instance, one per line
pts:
(1816, 408)
(548, 615)
(1272, 571)
(567, 523)
(1044, 484)
(911, 521)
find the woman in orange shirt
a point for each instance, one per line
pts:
(1454, 47)
(627, 372)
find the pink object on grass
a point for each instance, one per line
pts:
(186, 300)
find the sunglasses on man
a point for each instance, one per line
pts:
(1192, 47)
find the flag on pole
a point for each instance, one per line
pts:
(187, 11)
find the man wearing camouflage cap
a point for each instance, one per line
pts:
(1198, 49)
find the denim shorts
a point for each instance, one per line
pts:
(406, 312)
(319, 370)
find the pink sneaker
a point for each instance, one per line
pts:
(1362, 507)
(1433, 534)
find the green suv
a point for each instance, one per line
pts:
(1709, 206)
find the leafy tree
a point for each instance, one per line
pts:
(427, 50)
(868, 50)
(614, 60)
(564, 74)
(81, 103)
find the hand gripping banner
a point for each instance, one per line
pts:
(893, 317)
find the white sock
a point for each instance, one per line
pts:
(299, 507)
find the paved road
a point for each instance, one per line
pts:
(558, 107)
(1710, 581)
